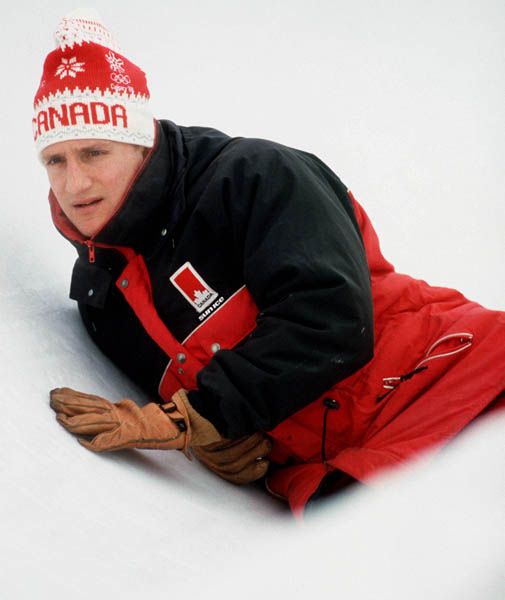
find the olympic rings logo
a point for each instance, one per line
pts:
(121, 79)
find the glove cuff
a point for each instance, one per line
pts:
(199, 431)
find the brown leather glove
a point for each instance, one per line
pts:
(238, 461)
(171, 426)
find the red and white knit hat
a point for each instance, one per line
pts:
(89, 90)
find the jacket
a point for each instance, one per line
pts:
(245, 272)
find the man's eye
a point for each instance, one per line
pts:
(93, 153)
(54, 160)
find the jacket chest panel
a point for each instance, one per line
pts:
(190, 286)
(231, 322)
(227, 323)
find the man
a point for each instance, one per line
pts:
(242, 286)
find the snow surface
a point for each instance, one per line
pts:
(404, 100)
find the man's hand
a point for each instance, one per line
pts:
(238, 461)
(126, 425)
(171, 426)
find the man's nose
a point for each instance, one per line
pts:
(77, 179)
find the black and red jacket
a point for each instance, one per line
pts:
(238, 212)
(245, 272)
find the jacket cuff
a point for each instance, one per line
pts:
(208, 410)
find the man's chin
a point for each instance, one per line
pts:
(88, 229)
(90, 226)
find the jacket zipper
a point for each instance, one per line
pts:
(91, 250)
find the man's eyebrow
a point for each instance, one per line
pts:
(83, 148)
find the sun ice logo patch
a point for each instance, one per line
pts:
(193, 287)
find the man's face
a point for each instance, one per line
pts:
(89, 179)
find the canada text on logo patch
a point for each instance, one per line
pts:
(193, 287)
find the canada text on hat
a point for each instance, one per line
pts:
(89, 90)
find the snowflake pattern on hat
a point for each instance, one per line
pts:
(116, 64)
(69, 67)
(119, 75)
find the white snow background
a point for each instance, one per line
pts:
(405, 101)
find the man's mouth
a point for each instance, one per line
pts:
(87, 203)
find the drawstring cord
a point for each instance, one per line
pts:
(331, 404)
(391, 383)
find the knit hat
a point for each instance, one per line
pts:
(89, 89)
